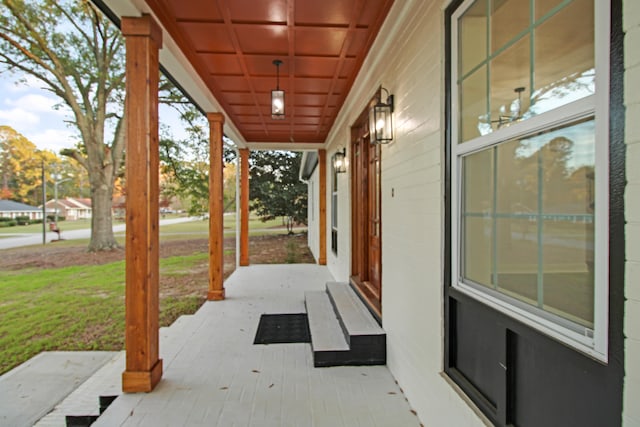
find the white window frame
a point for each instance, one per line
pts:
(597, 105)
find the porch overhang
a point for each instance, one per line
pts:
(221, 54)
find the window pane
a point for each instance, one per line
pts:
(517, 257)
(517, 186)
(478, 186)
(473, 106)
(528, 214)
(508, 19)
(478, 183)
(544, 6)
(568, 269)
(510, 84)
(473, 37)
(476, 257)
(564, 72)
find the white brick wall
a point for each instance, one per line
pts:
(631, 26)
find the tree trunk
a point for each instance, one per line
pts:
(101, 217)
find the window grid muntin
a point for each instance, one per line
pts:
(491, 55)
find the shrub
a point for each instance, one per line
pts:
(4, 219)
(23, 220)
(51, 218)
(10, 223)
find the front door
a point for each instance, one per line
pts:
(366, 252)
(373, 218)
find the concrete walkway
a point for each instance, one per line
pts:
(31, 390)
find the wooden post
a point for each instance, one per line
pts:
(143, 365)
(244, 206)
(322, 194)
(216, 207)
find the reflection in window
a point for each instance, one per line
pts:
(528, 220)
(512, 67)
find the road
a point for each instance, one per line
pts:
(36, 238)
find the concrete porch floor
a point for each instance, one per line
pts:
(215, 376)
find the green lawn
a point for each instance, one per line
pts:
(37, 228)
(74, 308)
(192, 227)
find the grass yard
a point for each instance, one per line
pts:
(60, 297)
(75, 308)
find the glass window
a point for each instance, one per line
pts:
(526, 226)
(526, 71)
(528, 219)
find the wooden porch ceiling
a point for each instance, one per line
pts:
(232, 45)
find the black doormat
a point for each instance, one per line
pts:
(283, 328)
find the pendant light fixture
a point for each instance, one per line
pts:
(277, 95)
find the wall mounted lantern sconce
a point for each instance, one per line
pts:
(277, 95)
(340, 161)
(381, 119)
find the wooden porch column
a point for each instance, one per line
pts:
(143, 365)
(244, 206)
(216, 207)
(322, 194)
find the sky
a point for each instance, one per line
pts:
(30, 111)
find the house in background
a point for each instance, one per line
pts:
(490, 225)
(11, 209)
(70, 208)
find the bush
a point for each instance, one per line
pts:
(10, 223)
(51, 218)
(23, 220)
(4, 219)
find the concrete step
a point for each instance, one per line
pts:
(343, 332)
(86, 402)
(326, 333)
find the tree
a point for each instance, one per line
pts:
(185, 162)
(78, 55)
(21, 167)
(274, 187)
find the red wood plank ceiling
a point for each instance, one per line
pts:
(232, 45)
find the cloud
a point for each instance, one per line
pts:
(22, 83)
(18, 118)
(36, 103)
(53, 139)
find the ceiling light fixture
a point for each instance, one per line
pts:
(277, 95)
